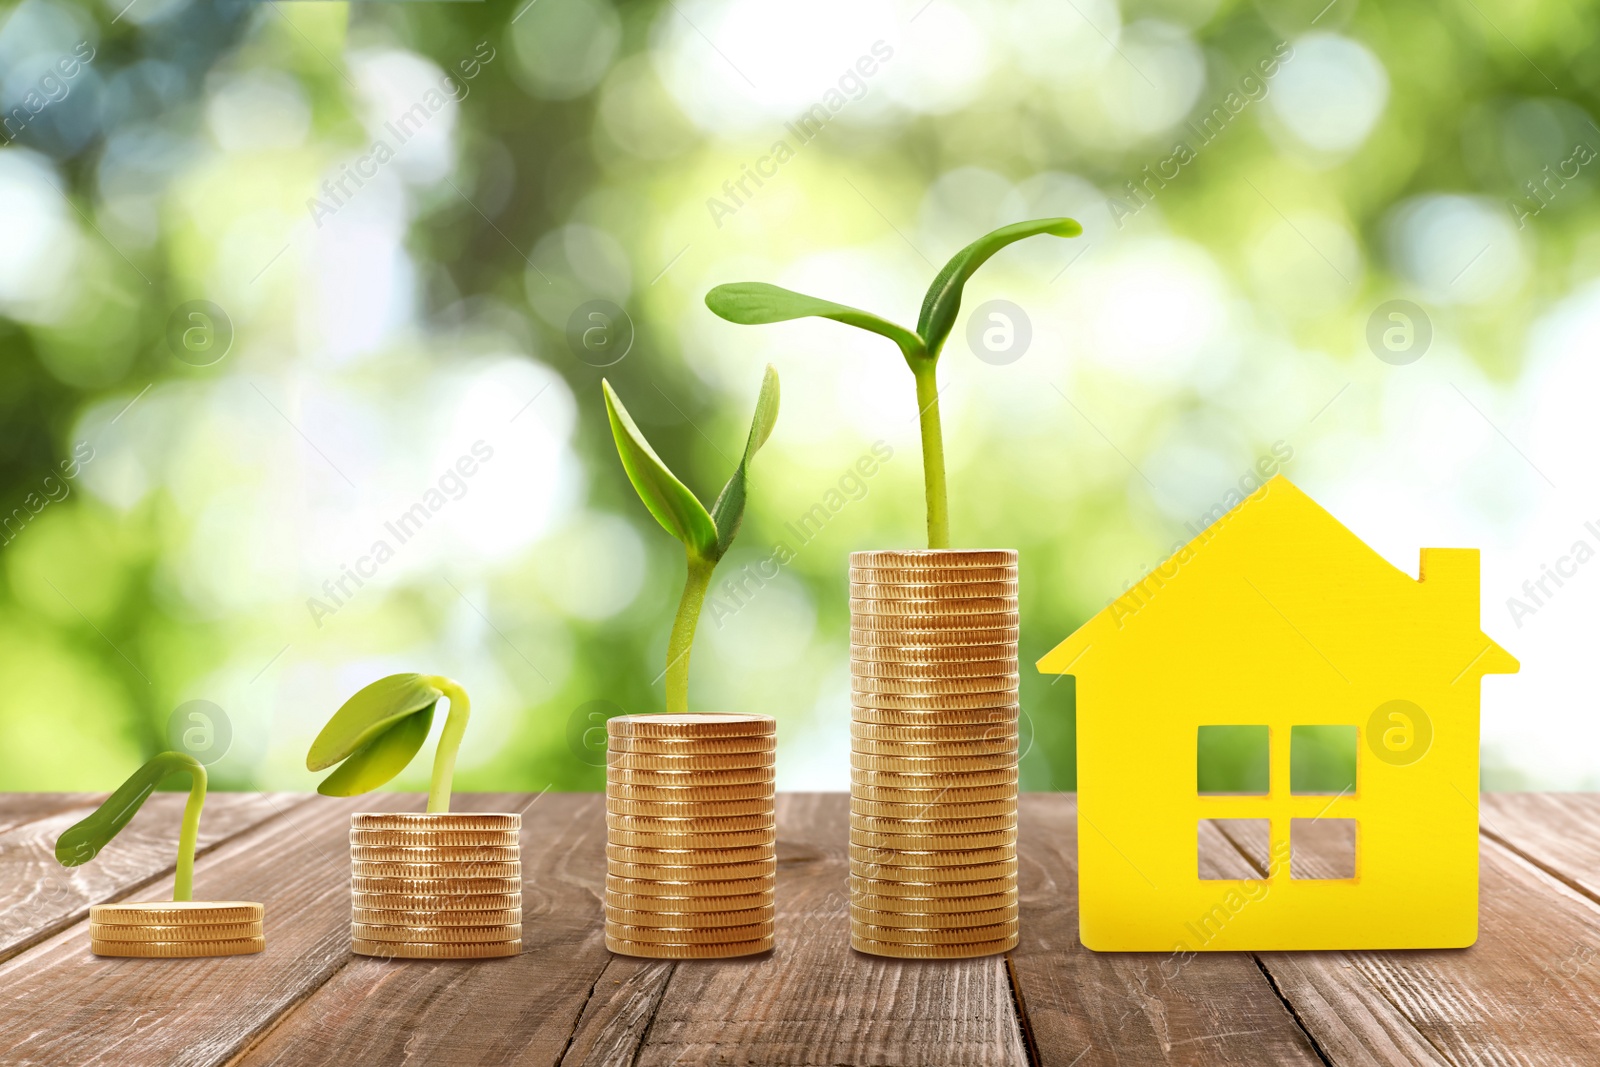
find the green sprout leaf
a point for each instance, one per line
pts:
(728, 512)
(943, 301)
(83, 841)
(755, 303)
(375, 734)
(379, 760)
(677, 509)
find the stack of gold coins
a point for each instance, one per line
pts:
(933, 753)
(444, 886)
(691, 835)
(170, 929)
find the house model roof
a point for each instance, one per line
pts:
(1279, 576)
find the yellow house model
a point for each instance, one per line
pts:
(1274, 626)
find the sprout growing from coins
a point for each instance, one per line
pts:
(753, 303)
(706, 535)
(375, 734)
(82, 841)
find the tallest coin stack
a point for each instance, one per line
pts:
(933, 764)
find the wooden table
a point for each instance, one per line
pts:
(1527, 993)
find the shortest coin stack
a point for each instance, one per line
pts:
(170, 929)
(444, 886)
(691, 835)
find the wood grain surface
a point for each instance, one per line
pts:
(1527, 993)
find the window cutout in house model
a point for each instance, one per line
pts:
(1322, 760)
(1232, 760)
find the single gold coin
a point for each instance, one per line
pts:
(920, 908)
(1003, 742)
(176, 912)
(940, 702)
(698, 746)
(461, 951)
(934, 781)
(184, 932)
(940, 828)
(655, 951)
(995, 761)
(452, 855)
(720, 894)
(954, 733)
(241, 946)
(992, 717)
(998, 683)
(688, 779)
(689, 794)
(437, 887)
(934, 810)
(691, 823)
(437, 903)
(1005, 792)
(710, 935)
(874, 892)
(931, 952)
(435, 838)
(436, 935)
(924, 591)
(756, 808)
(924, 572)
(981, 638)
(869, 677)
(690, 857)
(649, 761)
(940, 935)
(673, 839)
(456, 871)
(998, 654)
(916, 843)
(698, 920)
(700, 872)
(905, 857)
(952, 559)
(446, 820)
(896, 625)
(435, 917)
(879, 871)
(692, 725)
(686, 905)
(932, 608)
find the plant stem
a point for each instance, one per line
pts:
(932, 453)
(444, 757)
(189, 835)
(682, 639)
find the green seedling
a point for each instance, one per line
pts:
(753, 303)
(706, 535)
(82, 842)
(377, 732)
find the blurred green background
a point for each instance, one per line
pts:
(267, 272)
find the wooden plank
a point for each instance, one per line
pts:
(1528, 992)
(814, 1000)
(18, 808)
(39, 897)
(65, 1005)
(1559, 832)
(1086, 1008)
(618, 1013)
(521, 1010)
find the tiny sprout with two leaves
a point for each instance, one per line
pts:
(706, 535)
(754, 303)
(82, 841)
(377, 732)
